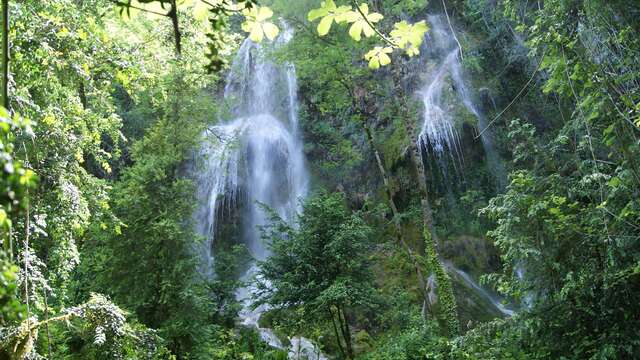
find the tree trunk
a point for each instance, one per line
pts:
(396, 215)
(335, 330)
(5, 54)
(346, 333)
(173, 14)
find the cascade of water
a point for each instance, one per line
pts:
(439, 133)
(439, 136)
(493, 300)
(258, 157)
(218, 184)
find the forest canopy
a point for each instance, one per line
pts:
(320, 179)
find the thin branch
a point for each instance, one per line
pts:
(62, 317)
(120, 3)
(5, 54)
(620, 218)
(514, 99)
(452, 31)
(26, 263)
(46, 317)
(208, 3)
(381, 35)
(222, 6)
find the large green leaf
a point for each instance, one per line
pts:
(379, 56)
(328, 12)
(257, 25)
(361, 24)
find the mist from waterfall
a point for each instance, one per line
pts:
(493, 300)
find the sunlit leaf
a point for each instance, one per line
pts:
(409, 36)
(379, 56)
(270, 30)
(200, 10)
(360, 24)
(257, 25)
(412, 51)
(328, 12)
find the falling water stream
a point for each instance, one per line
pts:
(439, 136)
(257, 158)
(468, 280)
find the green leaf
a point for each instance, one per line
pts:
(378, 56)
(614, 182)
(257, 24)
(360, 24)
(329, 13)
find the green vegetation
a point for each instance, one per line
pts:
(321, 268)
(399, 253)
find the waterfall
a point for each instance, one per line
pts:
(252, 160)
(439, 135)
(472, 284)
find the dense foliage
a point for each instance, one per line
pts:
(108, 102)
(320, 268)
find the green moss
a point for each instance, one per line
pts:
(395, 145)
(446, 297)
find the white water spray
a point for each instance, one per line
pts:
(439, 134)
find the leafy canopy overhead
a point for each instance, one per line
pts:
(405, 36)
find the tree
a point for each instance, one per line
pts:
(5, 53)
(320, 267)
(14, 182)
(152, 267)
(567, 226)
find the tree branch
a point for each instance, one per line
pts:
(381, 35)
(128, 5)
(173, 14)
(451, 27)
(5, 54)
